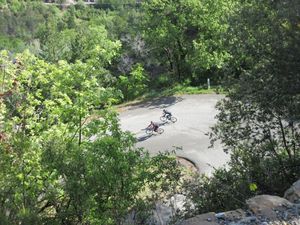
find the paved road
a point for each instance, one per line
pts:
(195, 115)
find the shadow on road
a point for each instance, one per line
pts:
(160, 124)
(143, 138)
(163, 102)
(166, 123)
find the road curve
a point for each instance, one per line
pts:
(195, 115)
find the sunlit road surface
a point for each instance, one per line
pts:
(195, 114)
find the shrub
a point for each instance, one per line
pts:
(134, 84)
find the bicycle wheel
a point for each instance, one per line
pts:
(160, 130)
(149, 131)
(163, 118)
(173, 119)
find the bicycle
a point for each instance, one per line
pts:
(166, 117)
(151, 130)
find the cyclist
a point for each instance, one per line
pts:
(167, 114)
(153, 125)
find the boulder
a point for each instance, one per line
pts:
(293, 193)
(203, 219)
(235, 215)
(267, 205)
(247, 220)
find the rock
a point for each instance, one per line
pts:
(293, 193)
(162, 214)
(203, 219)
(177, 201)
(247, 220)
(267, 205)
(235, 215)
(220, 215)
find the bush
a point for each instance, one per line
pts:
(134, 84)
(247, 175)
(162, 81)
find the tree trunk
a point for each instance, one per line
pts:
(284, 139)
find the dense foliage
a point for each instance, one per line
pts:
(174, 41)
(258, 122)
(260, 119)
(62, 162)
(187, 35)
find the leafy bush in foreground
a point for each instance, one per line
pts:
(61, 164)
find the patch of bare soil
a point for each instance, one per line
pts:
(187, 164)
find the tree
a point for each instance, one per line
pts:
(259, 121)
(60, 161)
(134, 84)
(20, 21)
(187, 35)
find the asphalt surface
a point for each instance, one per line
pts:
(188, 136)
